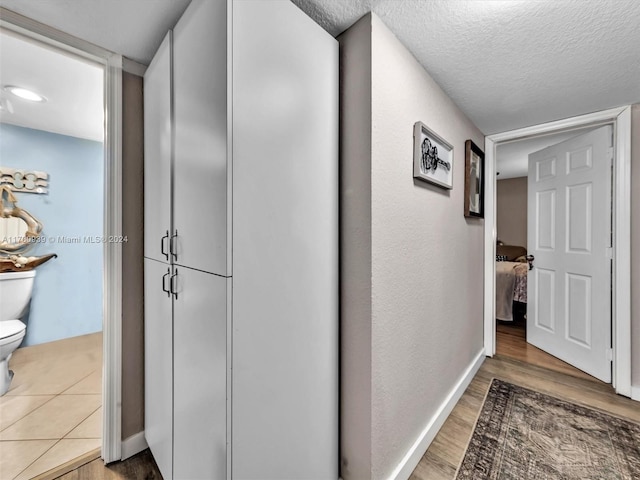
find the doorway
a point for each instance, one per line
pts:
(52, 166)
(620, 120)
(515, 244)
(112, 64)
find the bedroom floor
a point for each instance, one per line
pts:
(511, 338)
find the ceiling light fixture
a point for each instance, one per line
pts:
(24, 93)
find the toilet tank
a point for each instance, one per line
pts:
(15, 293)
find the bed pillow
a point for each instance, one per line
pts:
(501, 258)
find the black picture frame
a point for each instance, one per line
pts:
(473, 180)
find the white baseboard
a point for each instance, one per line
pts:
(635, 393)
(405, 468)
(133, 444)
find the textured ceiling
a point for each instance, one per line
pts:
(133, 28)
(507, 64)
(510, 64)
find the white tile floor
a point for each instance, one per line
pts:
(52, 413)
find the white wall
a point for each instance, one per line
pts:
(635, 246)
(511, 218)
(132, 256)
(355, 248)
(426, 270)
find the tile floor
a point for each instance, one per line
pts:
(52, 413)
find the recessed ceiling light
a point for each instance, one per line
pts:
(25, 93)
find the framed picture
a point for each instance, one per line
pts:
(473, 180)
(432, 157)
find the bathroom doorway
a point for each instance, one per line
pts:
(52, 166)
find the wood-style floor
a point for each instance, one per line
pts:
(515, 363)
(138, 467)
(511, 342)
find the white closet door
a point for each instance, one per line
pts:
(157, 153)
(200, 168)
(200, 375)
(285, 245)
(158, 366)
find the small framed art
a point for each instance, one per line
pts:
(473, 180)
(432, 157)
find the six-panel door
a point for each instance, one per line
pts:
(569, 230)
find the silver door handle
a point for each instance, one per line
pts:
(530, 259)
(174, 284)
(164, 283)
(173, 245)
(166, 255)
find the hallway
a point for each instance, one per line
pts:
(441, 460)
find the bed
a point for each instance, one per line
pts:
(511, 282)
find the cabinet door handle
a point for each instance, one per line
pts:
(164, 283)
(174, 284)
(166, 255)
(173, 245)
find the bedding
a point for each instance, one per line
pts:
(511, 285)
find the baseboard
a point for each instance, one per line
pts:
(635, 393)
(133, 444)
(412, 458)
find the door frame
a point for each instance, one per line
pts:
(113, 65)
(620, 119)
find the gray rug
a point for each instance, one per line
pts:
(524, 435)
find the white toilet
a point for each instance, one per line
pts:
(15, 293)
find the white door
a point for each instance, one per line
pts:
(200, 149)
(158, 365)
(569, 225)
(199, 375)
(157, 154)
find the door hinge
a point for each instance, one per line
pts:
(610, 354)
(609, 251)
(610, 156)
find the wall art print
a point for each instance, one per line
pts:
(432, 157)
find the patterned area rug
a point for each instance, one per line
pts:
(524, 435)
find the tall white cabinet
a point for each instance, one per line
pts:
(241, 245)
(158, 306)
